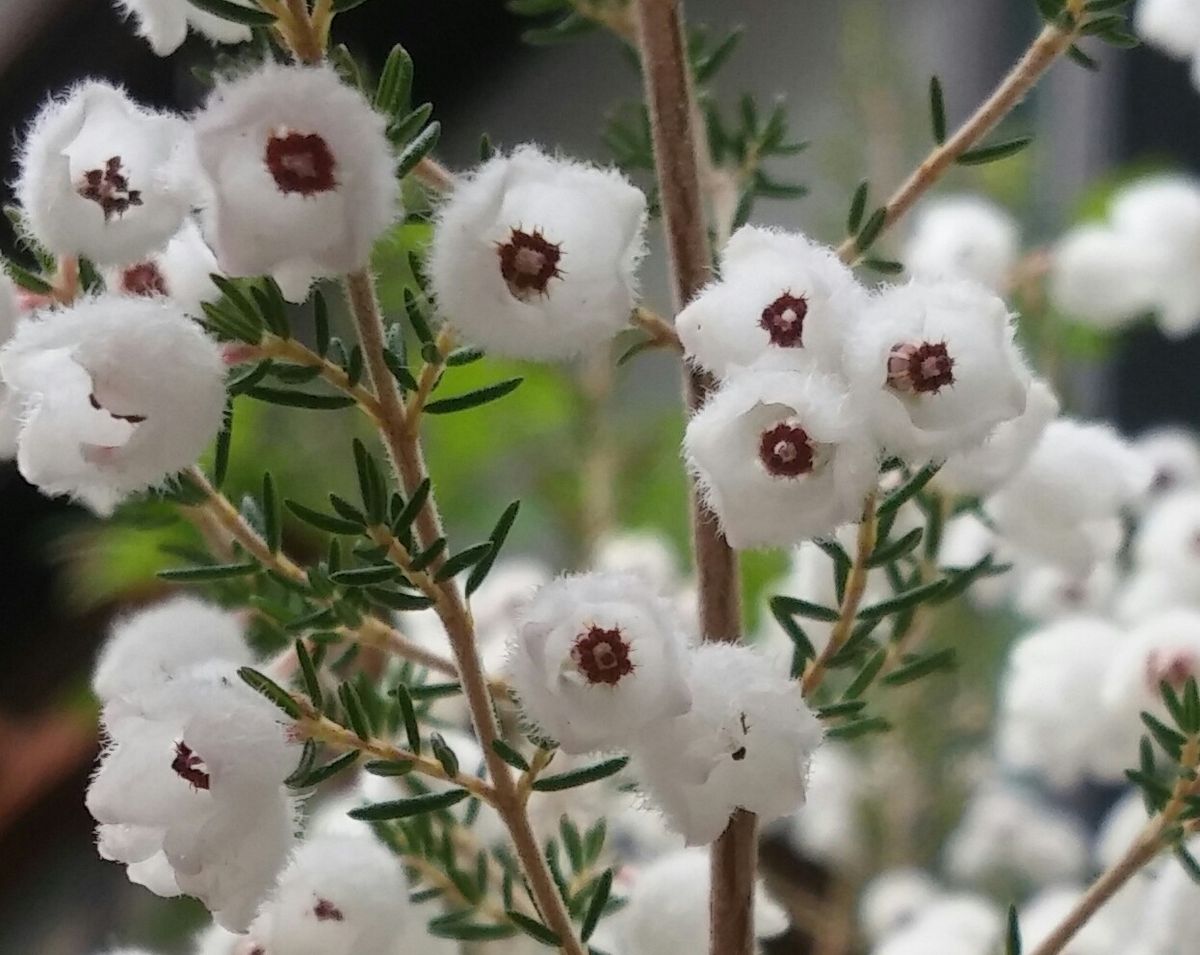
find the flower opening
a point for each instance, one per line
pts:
(786, 451)
(922, 368)
(109, 188)
(528, 262)
(190, 766)
(145, 278)
(300, 162)
(783, 320)
(602, 655)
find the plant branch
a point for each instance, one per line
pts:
(1049, 45)
(296, 353)
(671, 101)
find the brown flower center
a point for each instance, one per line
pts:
(190, 766)
(300, 162)
(602, 655)
(326, 911)
(783, 320)
(109, 189)
(528, 262)
(145, 278)
(786, 451)
(920, 368)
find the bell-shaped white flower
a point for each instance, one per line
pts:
(781, 457)
(181, 271)
(105, 178)
(117, 394)
(892, 899)
(642, 553)
(339, 895)
(746, 743)
(1174, 454)
(936, 368)
(596, 659)
(164, 23)
(301, 172)
(781, 299)
(1163, 649)
(1171, 25)
(964, 237)
(1102, 277)
(1064, 506)
(958, 924)
(1167, 542)
(536, 257)
(190, 795)
(829, 827)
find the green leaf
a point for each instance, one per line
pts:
(937, 110)
(408, 714)
(1076, 54)
(300, 399)
(463, 559)
(436, 691)
(341, 6)
(497, 538)
(804, 647)
(888, 552)
(916, 667)
(271, 690)
(783, 604)
(398, 600)
(840, 709)
(208, 572)
(444, 754)
(235, 12)
(473, 399)
(907, 490)
(1171, 741)
(395, 82)
(272, 523)
(871, 228)
(581, 776)
(534, 929)
(572, 25)
(323, 522)
(1012, 945)
(315, 777)
(413, 806)
(355, 712)
(470, 931)
(510, 755)
(365, 576)
(859, 728)
(858, 208)
(418, 149)
(1188, 861)
(26, 279)
(902, 601)
(866, 676)
(708, 66)
(988, 154)
(308, 671)
(389, 767)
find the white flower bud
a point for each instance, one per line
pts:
(596, 659)
(302, 175)
(1167, 542)
(746, 743)
(780, 457)
(644, 554)
(1172, 25)
(337, 896)
(936, 367)
(104, 177)
(781, 299)
(964, 237)
(892, 900)
(181, 272)
(828, 828)
(1064, 506)
(536, 257)
(117, 395)
(1163, 649)
(164, 23)
(1102, 277)
(1047, 592)
(1174, 454)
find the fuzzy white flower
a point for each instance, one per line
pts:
(1054, 675)
(959, 924)
(215, 940)
(535, 256)
(164, 23)
(10, 405)
(104, 177)
(1102, 277)
(181, 272)
(1174, 454)
(597, 658)
(1046, 592)
(964, 237)
(189, 792)
(1172, 25)
(780, 457)
(337, 896)
(1008, 832)
(746, 743)
(829, 828)
(1148, 592)
(667, 909)
(1163, 649)
(780, 298)
(1167, 542)
(1064, 506)
(1004, 452)
(645, 554)
(302, 175)
(892, 899)
(937, 368)
(117, 394)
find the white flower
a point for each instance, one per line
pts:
(1163, 649)
(892, 899)
(1041, 915)
(1064, 506)
(780, 457)
(1170, 920)
(1172, 25)
(117, 394)
(181, 272)
(936, 367)
(302, 175)
(1148, 592)
(966, 541)
(780, 298)
(829, 828)
(1046, 592)
(643, 553)
(337, 896)
(189, 792)
(960, 924)
(1167, 542)
(1008, 832)
(215, 940)
(1174, 455)
(964, 237)
(1123, 824)
(667, 909)
(164, 23)
(746, 743)
(1051, 719)
(1004, 452)
(536, 257)
(10, 406)
(1102, 277)
(596, 659)
(104, 177)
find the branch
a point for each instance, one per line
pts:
(671, 101)
(1050, 44)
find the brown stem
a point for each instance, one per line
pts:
(1050, 44)
(671, 101)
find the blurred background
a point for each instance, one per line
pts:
(854, 74)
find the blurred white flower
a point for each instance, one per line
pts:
(966, 540)
(829, 827)
(116, 395)
(1046, 592)
(536, 257)
(1172, 25)
(963, 237)
(892, 900)
(165, 23)
(645, 554)
(960, 924)
(1165, 648)
(1174, 454)
(1102, 277)
(1167, 541)
(1042, 914)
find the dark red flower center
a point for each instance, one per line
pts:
(920, 368)
(528, 262)
(602, 655)
(300, 162)
(109, 188)
(786, 451)
(326, 911)
(783, 320)
(190, 766)
(145, 278)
